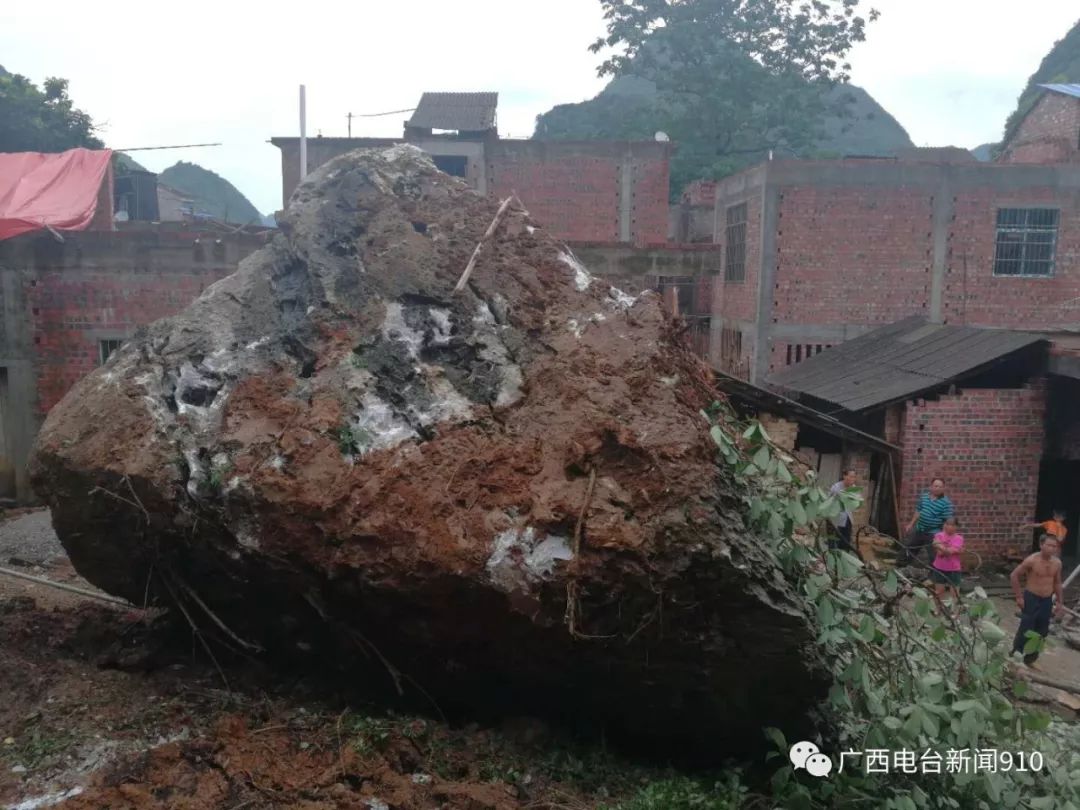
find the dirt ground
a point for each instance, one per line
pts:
(111, 707)
(107, 707)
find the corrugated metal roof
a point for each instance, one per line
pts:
(899, 361)
(1066, 89)
(465, 112)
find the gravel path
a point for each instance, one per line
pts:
(29, 538)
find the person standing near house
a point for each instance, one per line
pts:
(1043, 582)
(1054, 526)
(933, 508)
(948, 568)
(841, 524)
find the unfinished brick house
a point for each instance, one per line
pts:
(585, 191)
(962, 403)
(818, 253)
(75, 286)
(1050, 132)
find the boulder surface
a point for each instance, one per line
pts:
(500, 496)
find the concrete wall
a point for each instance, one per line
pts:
(1049, 133)
(60, 300)
(736, 303)
(635, 269)
(986, 444)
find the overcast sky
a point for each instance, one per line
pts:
(155, 74)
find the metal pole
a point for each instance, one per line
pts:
(303, 132)
(350, 117)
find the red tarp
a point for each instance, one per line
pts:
(58, 190)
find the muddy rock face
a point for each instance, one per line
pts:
(500, 496)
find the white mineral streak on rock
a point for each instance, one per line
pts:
(381, 424)
(442, 326)
(48, 800)
(519, 559)
(493, 350)
(582, 277)
(448, 404)
(395, 328)
(620, 299)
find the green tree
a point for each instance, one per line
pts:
(731, 75)
(1060, 66)
(43, 119)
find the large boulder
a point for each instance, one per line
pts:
(501, 495)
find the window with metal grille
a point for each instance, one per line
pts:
(1026, 241)
(107, 347)
(735, 244)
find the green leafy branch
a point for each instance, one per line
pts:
(909, 673)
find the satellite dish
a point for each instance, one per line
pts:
(662, 137)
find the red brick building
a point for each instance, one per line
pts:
(817, 253)
(962, 403)
(68, 304)
(582, 191)
(1050, 132)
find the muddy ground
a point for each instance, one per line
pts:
(107, 707)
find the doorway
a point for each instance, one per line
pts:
(1059, 488)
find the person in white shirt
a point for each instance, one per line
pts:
(841, 537)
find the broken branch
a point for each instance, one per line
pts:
(197, 633)
(479, 245)
(247, 645)
(104, 597)
(572, 586)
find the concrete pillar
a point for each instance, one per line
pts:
(770, 216)
(626, 196)
(942, 218)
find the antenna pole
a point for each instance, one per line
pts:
(303, 132)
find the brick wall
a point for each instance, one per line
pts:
(738, 300)
(974, 295)
(101, 286)
(576, 198)
(852, 255)
(1050, 133)
(591, 191)
(782, 431)
(583, 191)
(986, 444)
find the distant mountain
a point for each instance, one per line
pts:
(623, 111)
(1060, 66)
(984, 153)
(212, 193)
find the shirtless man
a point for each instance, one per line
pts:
(1043, 583)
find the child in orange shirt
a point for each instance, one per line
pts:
(1054, 526)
